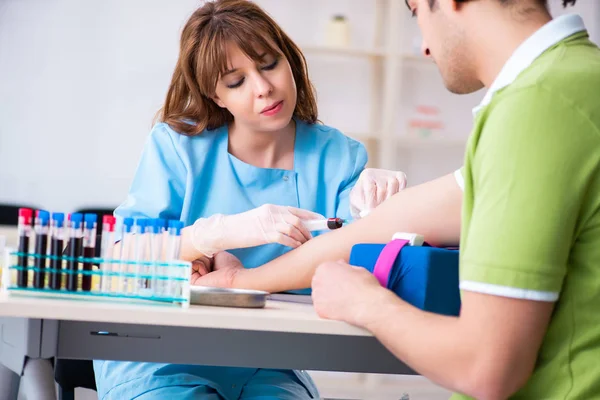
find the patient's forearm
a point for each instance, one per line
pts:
(432, 209)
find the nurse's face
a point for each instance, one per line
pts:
(260, 96)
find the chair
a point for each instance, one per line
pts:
(71, 374)
(100, 212)
(9, 213)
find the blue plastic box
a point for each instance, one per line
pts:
(426, 277)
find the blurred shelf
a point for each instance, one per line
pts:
(344, 51)
(362, 52)
(441, 142)
(410, 142)
(417, 59)
(361, 136)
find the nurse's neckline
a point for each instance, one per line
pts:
(295, 153)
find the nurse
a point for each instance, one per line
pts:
(239, 157)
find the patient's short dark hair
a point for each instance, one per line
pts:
(544, 3)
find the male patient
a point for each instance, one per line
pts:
(530, 224)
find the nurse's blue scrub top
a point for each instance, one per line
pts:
(186, 178)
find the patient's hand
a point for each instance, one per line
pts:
(201, 267)
(343, 292)
(224, 267)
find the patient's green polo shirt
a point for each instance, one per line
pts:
(531, 211)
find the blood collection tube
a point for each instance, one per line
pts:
(89, 249)
(75, 238)
(57, 243)
(41, 228)
(142, 246)
(324, 224)
(157, 227)
(173, 249)
(24, 231)
(125, 257)
(108, 242)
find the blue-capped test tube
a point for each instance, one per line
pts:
(89, 249)
(107, 247)
(157, 228)
(57, 244)
(173, 249)
(126, 256)
(41, 229)
(142, 247)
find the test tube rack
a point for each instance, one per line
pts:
(165, 282)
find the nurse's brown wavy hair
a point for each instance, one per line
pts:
(188, 108)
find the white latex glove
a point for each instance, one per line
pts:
(373, 187)
(266, 224)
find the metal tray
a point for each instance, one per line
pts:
(208, 296)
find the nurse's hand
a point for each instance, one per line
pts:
(373, 187)
(266, 224)
(224, 267)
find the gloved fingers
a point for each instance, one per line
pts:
(208, 234)
(265, 219)
(382, 190)
(394, 184)
(368, 174)
(276, 214)
(357, 199)
(281, 238)
(402, 179)
(392, 187)
(290, 231)
(354, 211)
(364, 213)
(288, 220)
(304, 214)
(370, 195)
(296, 229)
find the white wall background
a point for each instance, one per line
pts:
(80, 81)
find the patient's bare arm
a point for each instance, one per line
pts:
(432, 209)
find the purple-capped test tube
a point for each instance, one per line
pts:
(89, 249)
(57, 244)
(41, 228)
(75, 239)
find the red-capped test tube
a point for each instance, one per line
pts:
(108, 242)
(24, 231)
